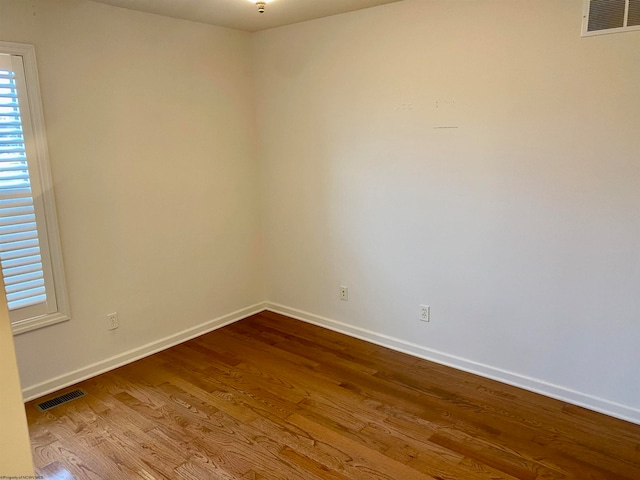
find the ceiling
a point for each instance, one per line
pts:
(243, 14)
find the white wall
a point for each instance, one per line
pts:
(519, 226)
(151, 131)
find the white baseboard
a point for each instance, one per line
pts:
(558, 392)
(62, 381)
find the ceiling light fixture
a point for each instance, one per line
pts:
(261, 4)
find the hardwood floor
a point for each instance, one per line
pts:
(273, 398)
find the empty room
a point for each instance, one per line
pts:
(330, 239)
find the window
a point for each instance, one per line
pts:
(30, 254)
(610, 16)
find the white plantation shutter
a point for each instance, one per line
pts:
(19, 245)
(25, 249)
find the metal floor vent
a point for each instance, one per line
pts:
(59, 400)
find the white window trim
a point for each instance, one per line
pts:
(27, 52)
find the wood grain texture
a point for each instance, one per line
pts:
(273, 398)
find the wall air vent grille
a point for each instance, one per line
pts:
(610, 16)
(633, 19)
(60, 399)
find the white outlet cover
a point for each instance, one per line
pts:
(425, 313)
(112, 321)
(344, 293)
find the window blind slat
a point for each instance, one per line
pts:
(25, 294)
(18, 287)
(24, 259)
(27, 302)
(9, 149)
(18, 237)
(16, 219)
(18, 253)
(19, 245)
(10, 175)
(23, 227)
(15, 192)
(15, 202)
(19, 280)
(21, 270)
(19, 214)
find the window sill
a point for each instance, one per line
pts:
(23, 326)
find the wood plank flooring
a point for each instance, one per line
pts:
(273, 398)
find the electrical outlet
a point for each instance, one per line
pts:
(425, 313)
(344, 293)
(112, 321)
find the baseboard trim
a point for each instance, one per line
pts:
(601, 405)
(71, 378)
(607, 407)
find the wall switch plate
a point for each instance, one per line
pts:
(344, 293)
(112, 321)
(425, 313)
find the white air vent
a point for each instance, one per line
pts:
(610, 16)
